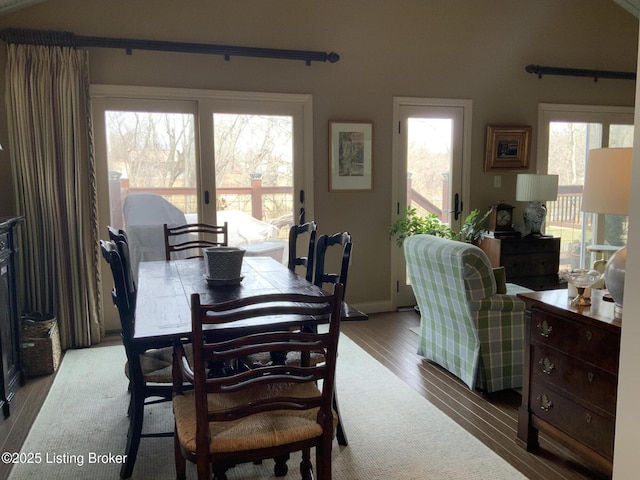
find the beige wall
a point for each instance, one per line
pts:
(423, 48)
(627, 424)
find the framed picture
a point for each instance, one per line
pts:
(350, 156)
(507, 148)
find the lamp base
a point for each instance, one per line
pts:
(617, 312)
(534, 215)
(614, 274)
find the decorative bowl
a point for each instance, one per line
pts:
(581, 280)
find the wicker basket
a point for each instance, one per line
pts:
(41, 350)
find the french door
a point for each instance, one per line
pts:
(431, 149)
(244, 158)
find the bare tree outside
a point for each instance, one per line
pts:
(428, 164)
(157, 151)
(152, 149)
(569, 145)
(249, 147)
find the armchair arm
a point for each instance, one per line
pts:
(497, 303)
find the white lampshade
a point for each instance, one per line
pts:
(606, 190)
(536, 188)
(607, 181)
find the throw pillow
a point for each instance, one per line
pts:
(501, 279)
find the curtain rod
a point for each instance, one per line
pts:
(576, 72)
(68, 39)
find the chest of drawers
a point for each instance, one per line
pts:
(571, 375)
(530, 262)
(10, 368)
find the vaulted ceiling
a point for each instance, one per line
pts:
(9, 5)
(632, 6)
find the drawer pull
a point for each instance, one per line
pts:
(590, 376)
(545, 329)
(547, 366)
(589, 335)
(545, 402)
(588, 418)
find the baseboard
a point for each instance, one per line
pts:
(373, 307)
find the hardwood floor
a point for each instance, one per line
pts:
(387, 338)
(493, 419)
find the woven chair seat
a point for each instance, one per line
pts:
(261, 430)
(157, 364)
(293, 359)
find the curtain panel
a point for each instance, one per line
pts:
(47, 95)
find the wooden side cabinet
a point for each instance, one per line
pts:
(530, 262)
(571, 375)
(9, 317)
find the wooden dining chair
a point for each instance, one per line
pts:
(189, 239)
(121, 240)
(325, 243)
(306, 260)
(148, 371)
(265, 412)
(117, 234)
(322, 278)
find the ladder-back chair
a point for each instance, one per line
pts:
(306, 260)
(265, 412)
(149, 372)
(187, 241)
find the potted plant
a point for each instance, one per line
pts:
(475, 227)
(473, 230)
(413, 224)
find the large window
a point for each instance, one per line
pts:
(567, 133)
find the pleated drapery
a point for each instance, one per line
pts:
(54, 181)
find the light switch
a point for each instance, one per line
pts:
(497, 181)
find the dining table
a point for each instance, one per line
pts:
(163, 311)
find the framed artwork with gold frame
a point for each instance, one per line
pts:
(507, 148)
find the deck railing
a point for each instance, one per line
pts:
(566, 210)
(250, 199)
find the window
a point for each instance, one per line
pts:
(567, 133)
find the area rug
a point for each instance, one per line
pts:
(393, 432)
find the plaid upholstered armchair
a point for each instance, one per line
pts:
(466, 327)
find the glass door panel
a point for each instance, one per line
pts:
(151, 160)
(569, 145)
(429, 158)
(254, 180)
(615, 226)
(151, 152)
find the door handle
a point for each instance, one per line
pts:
(457, 206)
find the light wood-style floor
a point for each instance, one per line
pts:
(388, 339)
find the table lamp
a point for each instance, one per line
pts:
(536, 189)
(606, 190)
